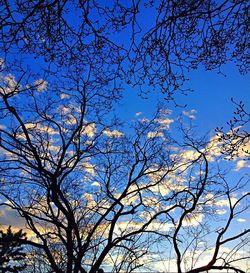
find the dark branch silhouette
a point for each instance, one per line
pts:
(235, 142)
(115, 41)
(91, 195)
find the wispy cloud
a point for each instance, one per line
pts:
(190, 114)
(137, 114)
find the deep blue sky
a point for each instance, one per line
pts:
(211, 97)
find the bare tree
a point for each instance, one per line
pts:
(91, 195)
(235, 142)
(178, 36)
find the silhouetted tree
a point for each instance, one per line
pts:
(12, 255)
(91, 195)
(151, 44)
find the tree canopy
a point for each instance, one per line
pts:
(150, 44)
(12, 256)
(92, 191)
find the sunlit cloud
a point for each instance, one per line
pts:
(113, 133)
(221, 211)
(9, 217)
(144, 120)
(91, 203)
(41, 128)
(95, 184)
(214, 150)
(89, 168)
(193, 220)
(241, 164)
(71, 120)
(190, 155)
(163, 188)
(165, 112)
(1, 63)
(89, 130)
(63, 110)
(10, 85)
(64, 96)
(155, 134)
(165, 123)
(225, 202)
(41, 85)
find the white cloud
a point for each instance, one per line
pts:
(165, 123)
(159, 226)
(241, 220)
(89, 130)
(193, 220)
(114, 133)
(190, 155)
(71, 120)
(165, 112)
(10, 217)
(89, 168)
(41, 128)
(163, 189)
(1, 63)
(241, 164)
(95, 184)
(64, 96)
(63, 110)
(190, 114)
(154, 134)
(91, 203)
(10, 83)
(144, 120)
(225, 202)
(214, 149)
(221, 211)
(138, 114)
(41, 85)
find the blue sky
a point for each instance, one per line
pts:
(210, 102)
(211, 97)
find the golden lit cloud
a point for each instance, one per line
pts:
(89, 130)
(89, 168)
(165, 123)
(113, 133)
(155, 134)
(241, 164)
